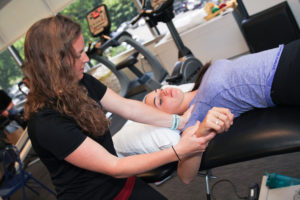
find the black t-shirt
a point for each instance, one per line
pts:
(4, 103)
(4, 100)
(54, 136)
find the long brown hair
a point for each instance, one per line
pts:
(49, 65)
(200, 75)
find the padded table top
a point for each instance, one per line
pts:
(255, 134)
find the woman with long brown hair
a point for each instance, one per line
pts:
(69, 130)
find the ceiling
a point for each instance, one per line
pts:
(16, 16)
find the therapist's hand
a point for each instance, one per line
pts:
(190, 144)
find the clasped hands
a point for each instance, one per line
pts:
(217, 120)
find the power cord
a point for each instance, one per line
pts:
(234, 189)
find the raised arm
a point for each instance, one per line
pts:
(138, 111)
(216, 121)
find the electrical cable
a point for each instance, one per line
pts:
(234, 189)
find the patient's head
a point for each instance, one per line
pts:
(170, 100)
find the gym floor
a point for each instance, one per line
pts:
(235, 176)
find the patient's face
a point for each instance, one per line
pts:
(169, 100)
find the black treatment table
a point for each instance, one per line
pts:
(255, 134)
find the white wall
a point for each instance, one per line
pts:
(215, 39)
(255, 6)
(295, 7)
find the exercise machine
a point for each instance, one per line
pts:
(99, 25)
(187, 66)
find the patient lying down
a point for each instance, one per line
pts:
(259, 80)
(136, 138)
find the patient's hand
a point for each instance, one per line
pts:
(185, 117)
(217, 120)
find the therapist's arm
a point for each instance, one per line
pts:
(97, 158)
(138, 111)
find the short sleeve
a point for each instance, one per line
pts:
(4, 100)
(198, 114)
(96, 89)
(56, 133)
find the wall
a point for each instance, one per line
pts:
(217, 38)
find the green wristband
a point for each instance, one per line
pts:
(175, 122)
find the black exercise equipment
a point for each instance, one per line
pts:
(99, 24)
(187, 66)
(269, 28)
(256, 134)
